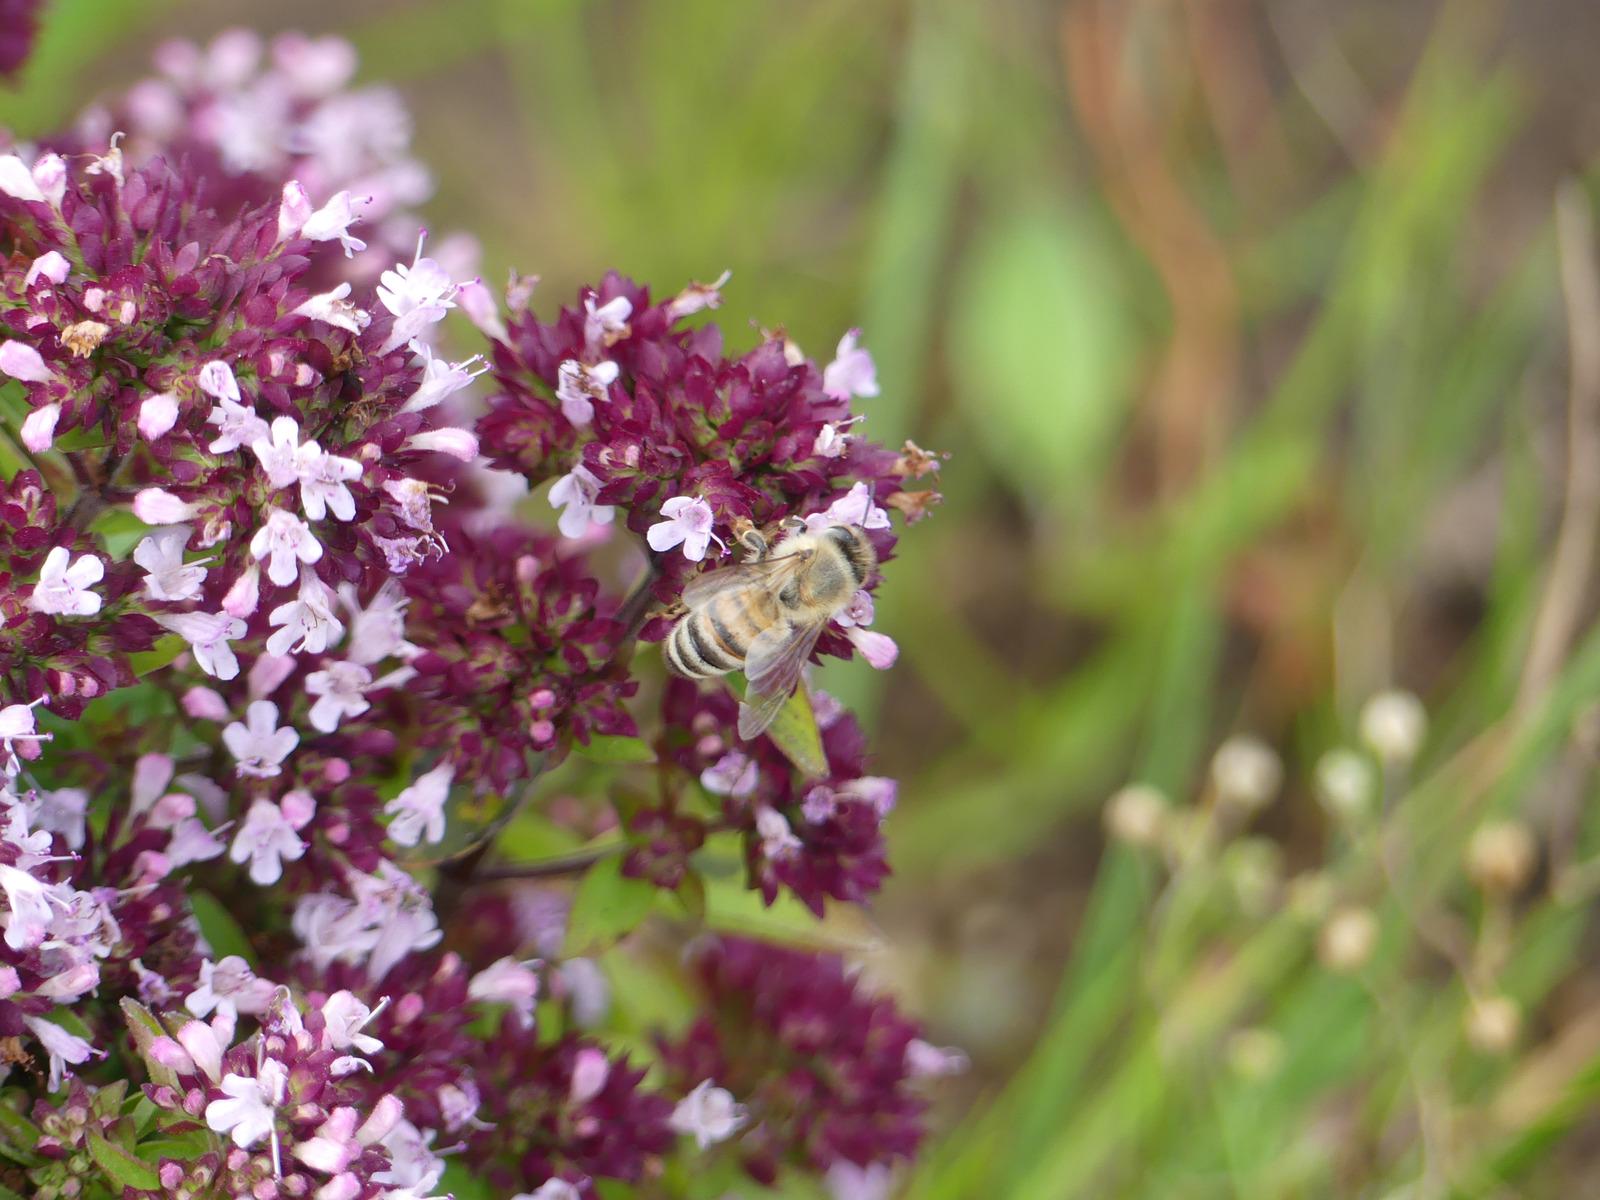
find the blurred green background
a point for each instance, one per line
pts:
(1247, 325)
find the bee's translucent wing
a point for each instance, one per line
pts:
(770, 573)
(772, 668)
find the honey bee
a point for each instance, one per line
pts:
(764, 615)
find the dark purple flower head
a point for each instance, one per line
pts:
(19, 23)
(819, 1065)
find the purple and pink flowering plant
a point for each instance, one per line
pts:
(293, 669)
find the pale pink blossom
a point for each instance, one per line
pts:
(481, 310)
(878, 649)
(276, 451)
(509, 982)
(418, 295)
(340, 689)
(853, 508)
(156, 506)
(284, 541)
(709, 1114)
(332, 222)
(267, 837)
(574, 494)
(418, 811)
(777, 839)
(17, 181)
(167, 576)
(52, 266)
(205, 704)
(63, 587)
(229, 987)
(333, 308)
(39, 428)
(851, 373)
(378, 630)
(346, 1016)
(63, 1048)
(457, 443)
(258, 744)
(698, 297)
(440, 378)
(157, 415)
(606, 324)
(17, 725)
(579, 386)
(248, 1114)
(208, 635)
(237, 425)
(216, 379)
(688, 521)
(307, 623)
(733, 774)
(21, 361)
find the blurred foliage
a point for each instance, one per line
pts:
(1244, 320)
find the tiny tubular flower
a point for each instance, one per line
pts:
(63, 587)
(307, 624)
(574, 494)
(284, 541)
(340, 689)
(606, 324)
(266, 838)
(248, 1113)
(332, 222)
(167, 576)
(333, 308)
(507, 981)
(689, 522)
(39, 428)
(63, 1048)
(579, 386)
(852, 372)
(258, 744)
(418, 811)
(208, 635)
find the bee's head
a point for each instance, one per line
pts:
(857, 549)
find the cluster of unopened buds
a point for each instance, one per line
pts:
(283, 647)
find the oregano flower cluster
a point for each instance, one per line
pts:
(313, 622)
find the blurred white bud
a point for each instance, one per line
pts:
(1345, 784)
(1255, 1054)
(1348, 939)
(1394, 724)
(1493, 1024)
(1501, 857)
(1246, 771)
(1137, 815)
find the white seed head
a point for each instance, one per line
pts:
(1493, 1024)
(1255, 1054)
(1347, 939)
(1501, 857)
(1137, 815)
(1246, 772)
(1394, 724)
(1345, 784)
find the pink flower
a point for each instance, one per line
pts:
(229, 987)
(689, 521)
(248, 1113)
(855, 507)
(481, 310)
(277, 451)
(216, 380)
(574, 494)
(63, 589)
(62, 1047)
(457, 443)
(39, 428)
(16, 725)
(851, 373)
(237, 425)
(708, 1114)
(51, 265)
(579, 385)
(507, 981)
(259, 745)
(340, 689)
(285, 541)
(418, 295)
(308, 624)
(21, 361)
(733, 774)
(418, 811)
(332, 222)
(208, 635)
(266, 838)
(157, 415)
(167, 576)
(155, 506)
(440, 379)
(878, 649)
(333, 309)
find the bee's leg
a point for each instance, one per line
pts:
(751, 539)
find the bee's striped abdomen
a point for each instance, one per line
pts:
(711, 640)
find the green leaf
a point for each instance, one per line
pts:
(219, 927)
(607, 906)
(160, 655)
(108, 1099)
(614, 749)
(17, 1129)
(1040, 331)
(122, 1168)
(794, 731)
(458, 1183)
(121, 530)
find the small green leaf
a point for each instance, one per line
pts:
(606, 906)
(458, 1183)
(17, 1129)
(613, 749)
(108, 1099)
(219, 927)
(161, 654)
(794, 731)
(121, 530)
(122, 1168)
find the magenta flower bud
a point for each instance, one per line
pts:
(10, 983)
(173, 1056)
(542, 732)
(336, 770)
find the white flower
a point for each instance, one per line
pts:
(208, 635)
(440, 379)
(579, 385)
(378, 630)
(340, 689)
(574, 494)
(266, 838)
(709, 1114)
(733, 774)
(457, 443)
(307, 622)
(846, 1181)
(62, 811)
(777, 839)
(157, 415)
(323, 480)
(851, 373)
(237, 425)
(156, 506)
(507, 981)
(698, 296)
(63, 590)
(412, 1164)
(16, 725)
(345, 1016)
(62, 1047)
(285, 541)
(419, 810)
(216, 379)
(192, 842)
(418, 296)
(276, 451)
(334, 309)
(606, 324)
(52, 265)
(260, 746)
(39, 428)
(1394, 724)
(21, 361)
(482, 310)
(248, 1113)
(229, 987)
(853, 508)
(29, 899)
(924, 1060)
(167, 577)
(689, 521)
(332, 222)
(830, 442)
(17, 181)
